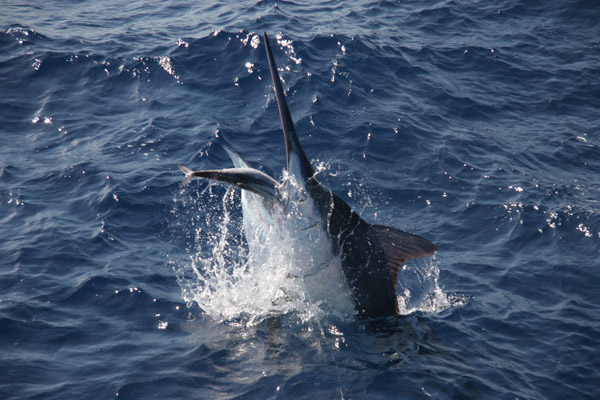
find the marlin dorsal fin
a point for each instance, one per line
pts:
(293, 149)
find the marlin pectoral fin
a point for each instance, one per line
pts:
(400, 246)
(293, 149)
(249, 179)
(237, 160)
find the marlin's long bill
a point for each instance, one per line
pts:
(249, 179)
(293, 149)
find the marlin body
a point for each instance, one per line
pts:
(346, 265)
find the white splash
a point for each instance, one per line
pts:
(165, 63)
(288, 46)
(230, 278)
(251, 38)
(419, 289)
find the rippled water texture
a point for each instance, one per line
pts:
(474, 125)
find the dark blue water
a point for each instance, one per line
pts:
(475, 125)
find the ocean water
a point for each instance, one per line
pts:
(473, 124)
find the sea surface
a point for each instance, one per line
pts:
(474, 124)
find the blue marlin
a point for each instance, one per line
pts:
(346, 265)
